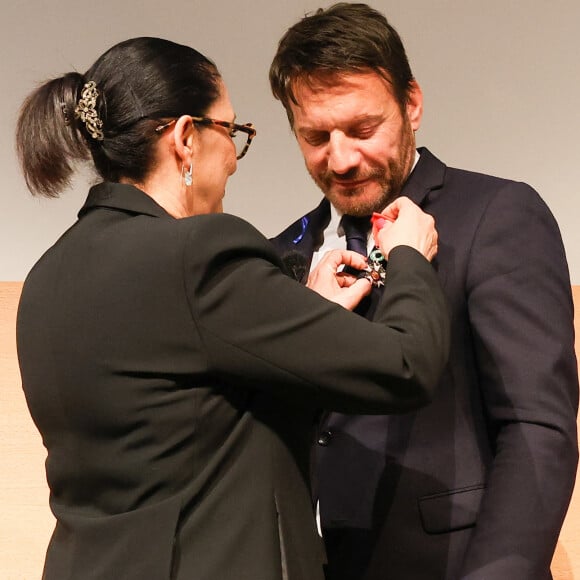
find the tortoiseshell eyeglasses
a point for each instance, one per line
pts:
(241, 135)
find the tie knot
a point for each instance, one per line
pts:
(356, 230)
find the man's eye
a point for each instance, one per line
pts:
(316, 140)
(364, 133)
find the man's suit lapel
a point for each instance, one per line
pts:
(427, 176)
(300, 240)
(423, 187)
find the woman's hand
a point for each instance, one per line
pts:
(343, 289)
(404, 223)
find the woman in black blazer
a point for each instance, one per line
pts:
(172, 368)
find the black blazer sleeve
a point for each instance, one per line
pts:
(264, 330)
(521, 311)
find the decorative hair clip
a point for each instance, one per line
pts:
(86, 111)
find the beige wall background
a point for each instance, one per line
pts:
(501, 83)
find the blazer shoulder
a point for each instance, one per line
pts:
(221, 225)
(475, 186)
(220, 234)
(499, 196)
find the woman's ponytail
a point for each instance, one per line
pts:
(48, 141)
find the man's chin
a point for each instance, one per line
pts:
(356, 203)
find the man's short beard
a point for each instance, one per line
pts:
(354, 202)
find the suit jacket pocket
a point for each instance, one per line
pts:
(452, 510)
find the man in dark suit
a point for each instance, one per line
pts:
(475, 485)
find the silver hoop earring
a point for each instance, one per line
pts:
(187, 175)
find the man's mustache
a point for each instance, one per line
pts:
(352, 175)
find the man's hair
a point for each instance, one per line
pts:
(345, 38)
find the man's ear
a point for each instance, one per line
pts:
(414, 106)
(185, 139)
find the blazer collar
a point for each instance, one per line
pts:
(305, 234)
(308, 230)
(299, 240)
(121, 196)
(428, 175)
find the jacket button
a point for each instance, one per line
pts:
(324, 438)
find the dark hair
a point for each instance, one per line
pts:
(140, 82)
(344, 38)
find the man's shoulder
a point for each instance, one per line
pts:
(471, 184)
(291, 232)
(429, 165)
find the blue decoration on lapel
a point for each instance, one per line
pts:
(304, 225)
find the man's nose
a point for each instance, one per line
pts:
(343, 155)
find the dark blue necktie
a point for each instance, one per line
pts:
(356, 230)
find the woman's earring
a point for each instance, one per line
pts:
(187, 175)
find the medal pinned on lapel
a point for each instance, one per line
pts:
(355, 230)
(376, 271)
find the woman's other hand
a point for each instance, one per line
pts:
(332, 284)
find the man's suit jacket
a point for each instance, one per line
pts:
(475, 485)
(175, 373)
